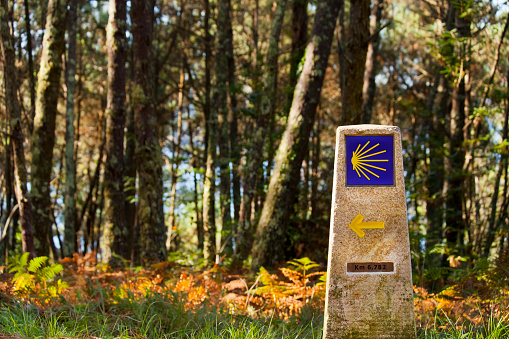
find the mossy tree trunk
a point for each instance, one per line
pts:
(152, 239)
(369, 86)
(209, 186)
(195, 163)
(43, 139)
(220, 100)
(299, 41)
(31, 75)
(70, 240)
(271, 231)
(16, 132)
(235, 148)
(455, 223)
(254, 162)
(355, 62)
(130, 168)
(172, 237)
(116, 232)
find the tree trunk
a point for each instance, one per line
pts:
(435, 179)
(341, 37)
(355, 63)
(194, 163)
(43, 139)
(455, 228)
(116, 231)
(70, 164)
(299, 41)
(271, 231)
(235, 148)
(172, 224)
(31, 75)
(254, 163)
(16, 132)
(220, 99)
(209, 218)
(494, 224)
(130, 169)
(369, 87)
(148, 152)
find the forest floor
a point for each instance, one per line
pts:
(176, 301)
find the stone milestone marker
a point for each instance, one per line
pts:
(369, 277)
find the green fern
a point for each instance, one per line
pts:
(303, 264)
(29, 274)
(36, 264)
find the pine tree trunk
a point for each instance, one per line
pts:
(369, 87)
(235, 148)
(31, 75)
(194, 163)
(209, 218)
(246, 229)
(148, 152)
(16, 132)
(456, 226)
(271, 232)
(299, 41)
(439, 97)
(341, 38)
(130, 170)
(70, 165)
(355, 63)
(43, 139)
(116, 231)
(172, 238)
(220, 99)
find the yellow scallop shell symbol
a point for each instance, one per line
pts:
(359, 161)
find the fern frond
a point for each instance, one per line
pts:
(36, 263)
(47, 273)
(18, 275)
(57, 268)
(16, 268)
(23, 261)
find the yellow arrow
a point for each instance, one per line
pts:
(357, 225)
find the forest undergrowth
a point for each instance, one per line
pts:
(79, 298)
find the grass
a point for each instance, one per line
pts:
(160, 316)
(155, 316)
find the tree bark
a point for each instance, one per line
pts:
(43, 138)
(299, 42)
(148, 152)
(172, 224)
(455, 228)
(16, 132)
(220, 99)
(271, 231)
(194, 163)
(209, 218)
(246, 229)
(436, 107)
(116, 231)
(235, 148)
(369, 86)
(31, 75)
(355, 60)
(130, 168)
(70, 242)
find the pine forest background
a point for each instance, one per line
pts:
(203, 131)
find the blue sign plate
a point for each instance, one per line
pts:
(370, 160)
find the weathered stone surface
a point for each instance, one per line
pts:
(363, 304)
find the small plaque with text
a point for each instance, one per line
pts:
(369, 267)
